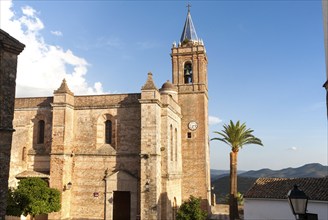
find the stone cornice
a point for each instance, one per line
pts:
(7, 130)
(10, 44)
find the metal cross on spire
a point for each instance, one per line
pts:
(188, 6)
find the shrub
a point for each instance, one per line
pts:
(191, 210)
(32, 197)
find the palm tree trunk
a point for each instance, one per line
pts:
(233, 204)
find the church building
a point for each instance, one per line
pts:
(121, 156)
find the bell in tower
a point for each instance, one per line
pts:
(189, 60)
(188, 73)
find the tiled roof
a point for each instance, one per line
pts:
(277, 188)
(31, 173)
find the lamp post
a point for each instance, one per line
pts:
(298, 202)
(105, 195)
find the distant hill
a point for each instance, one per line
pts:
(221, 186)
(220, 178)
(308, 170)
(215, 174)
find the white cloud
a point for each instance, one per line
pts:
(293, 149)
(42, 66)
(212, 120)
(57, 33)
(27, 10)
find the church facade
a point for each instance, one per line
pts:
(121, 156)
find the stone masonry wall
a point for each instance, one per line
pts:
(84, 161)
(171, 155)
(92, 158)
(150, 179)
(26, 153)
(79, 154)
(193, 101)
(9, 50)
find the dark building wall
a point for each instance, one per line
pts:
(9, 50)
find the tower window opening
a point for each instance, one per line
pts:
(188, 73)
(189, 134)
(108, 132)
(40, 132)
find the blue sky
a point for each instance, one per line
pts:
(266, 63)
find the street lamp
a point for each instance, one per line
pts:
(298, 201)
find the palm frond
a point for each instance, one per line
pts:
(237, 135)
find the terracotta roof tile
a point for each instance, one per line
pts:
(277, 188)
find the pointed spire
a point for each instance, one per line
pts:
(63, 88)
(189, 31)
(149, 83)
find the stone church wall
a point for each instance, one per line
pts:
(91, 156)
(88, 158)
(171, 155)
(195, 154)
(27, 154)
(10, 48)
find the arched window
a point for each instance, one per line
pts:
(188, 73)
(174, 208)
(24, 154)
(176, 144)
(108, 132)
(40, 132)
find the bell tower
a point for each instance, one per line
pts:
(189, 73)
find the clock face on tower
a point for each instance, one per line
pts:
(192, 125)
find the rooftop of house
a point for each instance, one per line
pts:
(277, 188)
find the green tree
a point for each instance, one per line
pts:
(236, 136)
(191, 210)
(33, 197)
(240, 199)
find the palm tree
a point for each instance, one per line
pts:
(236, 136)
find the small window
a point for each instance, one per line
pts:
(171, 142)
(189, 134)
(41, 132)
(108, 132)
(176, 145)
(24, 154)
(188, 73)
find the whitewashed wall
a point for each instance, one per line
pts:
(263, 209)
